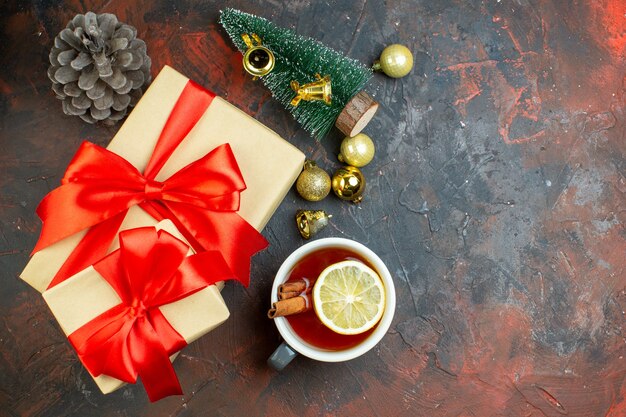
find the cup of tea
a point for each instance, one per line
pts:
(304, 333)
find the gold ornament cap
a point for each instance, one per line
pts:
(396, 61)
(313, 183)
(310, 222)
(257, 60)
(319, 90)
(357, 151)
(349, 184)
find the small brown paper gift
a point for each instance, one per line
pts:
(84, 296)
(269, 164)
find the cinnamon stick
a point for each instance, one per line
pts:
(298, 286)
(288, 294)
(290, 306)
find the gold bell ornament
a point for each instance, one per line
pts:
(349, 184)
(317, 90)
(313, 183)
(357, 151)
(396, 61)
(310, 222)
(257, 60)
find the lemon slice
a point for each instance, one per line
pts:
(349, 297)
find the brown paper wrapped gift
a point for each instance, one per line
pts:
(268, 163)
(84, 296)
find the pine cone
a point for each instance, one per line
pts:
(98, 67)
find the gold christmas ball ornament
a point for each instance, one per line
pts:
(257, 60)
(349, 184)
(396, 61)
(357, 151)
(313, 183)
(310, 222)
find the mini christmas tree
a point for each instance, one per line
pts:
(299, 59)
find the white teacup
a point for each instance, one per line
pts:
(293, 343)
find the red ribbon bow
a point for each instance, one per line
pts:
(201, 199)
(133, 339)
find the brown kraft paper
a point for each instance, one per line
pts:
(268, 163)
(84, 296)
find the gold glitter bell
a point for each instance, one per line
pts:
(316, 90)
(395, 61)
(349, 184)
(310, 222)
(258, 60)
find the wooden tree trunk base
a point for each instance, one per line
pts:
(357, 114)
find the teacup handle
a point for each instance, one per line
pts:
(281, 357)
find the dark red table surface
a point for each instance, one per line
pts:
(497, 198)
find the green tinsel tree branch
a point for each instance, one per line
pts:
(299, 58)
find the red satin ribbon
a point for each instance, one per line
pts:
(201, 199)
(134, 338)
